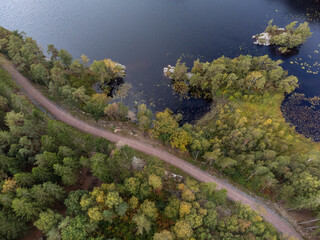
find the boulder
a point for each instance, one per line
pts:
(138, 164)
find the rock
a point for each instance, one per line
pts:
(121, 143)
(122, 72)
(265, 37)
(117, 130)
(189, 75)
(138, 164)
(262, 39)
(122, 66)
(176, 177)
(132, 116)
(97, 87)
(170, 70)
(179, 179)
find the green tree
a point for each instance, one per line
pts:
(180, 71)
(80, 95)
(24, 179)
(39, 73)
(30, 52)
(142, 222)
(99, 167)
(144, 123)
(53, 52)
(309, 202)
(65, 57)
(116, 111)
(47, 194)
(67, 171)
(73, 202)
(172, 209)
(12, 226)
(75, 229)
(291, 37)
(289, 84)
(149, 209)
(25, 209)
(47, 220)
(15, 122)
(96, 105)
(76, 67)
(57, 75)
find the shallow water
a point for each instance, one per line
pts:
(147, 35)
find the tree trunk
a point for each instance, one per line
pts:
(264, 187)
(313, 220)
(251, 175)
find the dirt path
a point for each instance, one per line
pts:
(233, 194)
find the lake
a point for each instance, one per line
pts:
(148, 35)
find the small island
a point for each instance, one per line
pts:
(286, 38)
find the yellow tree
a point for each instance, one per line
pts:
(183, 230)
(155, 182)
(95, 214)
(84, 60)
(9, 185)
(164, 235)
(180, 139)
(185, 208)
(253, 77)
(164, 126)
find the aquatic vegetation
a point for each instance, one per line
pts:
(304, 114)
(123, 91)
(309, 67)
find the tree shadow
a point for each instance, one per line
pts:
(274, 51)
(98, 88)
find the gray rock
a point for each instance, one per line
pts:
(138, 164)
(170, 70)
(262, 39)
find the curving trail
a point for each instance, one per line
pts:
(233, 194)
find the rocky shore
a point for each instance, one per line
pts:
(264, 38)
(169, 70)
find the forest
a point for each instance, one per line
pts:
(245, 136)
(43, 161)
(65, 78)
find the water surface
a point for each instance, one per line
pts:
(147, 35)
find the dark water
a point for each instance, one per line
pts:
(147, 35)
